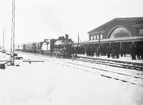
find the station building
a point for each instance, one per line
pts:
(120, 35)
(128, 29)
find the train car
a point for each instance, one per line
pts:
(29, 47)
(37, 47)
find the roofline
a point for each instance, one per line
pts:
(129, 18)
(102, 25)
(124, 18)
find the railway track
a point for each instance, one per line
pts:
(121, 76)
(114, 63)
(124, 75)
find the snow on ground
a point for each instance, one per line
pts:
(3, 56)
(48, 83)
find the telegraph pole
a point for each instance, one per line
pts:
(78, 38)
(13, 33)
(3, 39)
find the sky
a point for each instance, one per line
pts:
(36, 20)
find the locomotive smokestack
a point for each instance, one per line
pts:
(67, 36)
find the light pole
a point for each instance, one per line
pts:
(13, 33)
(78, 41)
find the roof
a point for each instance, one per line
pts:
(130, 18)
(101, 26)
(117, 19)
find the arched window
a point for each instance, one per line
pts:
(120, 32)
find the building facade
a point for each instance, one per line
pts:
(118, 28)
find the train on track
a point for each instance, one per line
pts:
(61, 47)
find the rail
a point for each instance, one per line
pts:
(114, 63)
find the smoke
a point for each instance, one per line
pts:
(50, 19)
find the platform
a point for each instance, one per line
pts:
(124, 59)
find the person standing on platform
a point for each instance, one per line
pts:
(108, 51)
(97, 52)
(113, 51)
(133, 52)
(141, 51)
(117, 51)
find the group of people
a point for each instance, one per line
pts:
(112, 51)
(90, 51)
(135, 50)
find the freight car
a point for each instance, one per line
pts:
(60, 47)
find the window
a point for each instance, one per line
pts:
(141, 31)
(91, 37)
(101, 36)
(97, 36)
(120, 32)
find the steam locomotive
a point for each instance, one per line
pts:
(61, 47)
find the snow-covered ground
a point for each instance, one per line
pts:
(49, 83)
(3, 56)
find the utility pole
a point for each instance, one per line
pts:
(78, 38)
(13, 33)
(3, 39)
